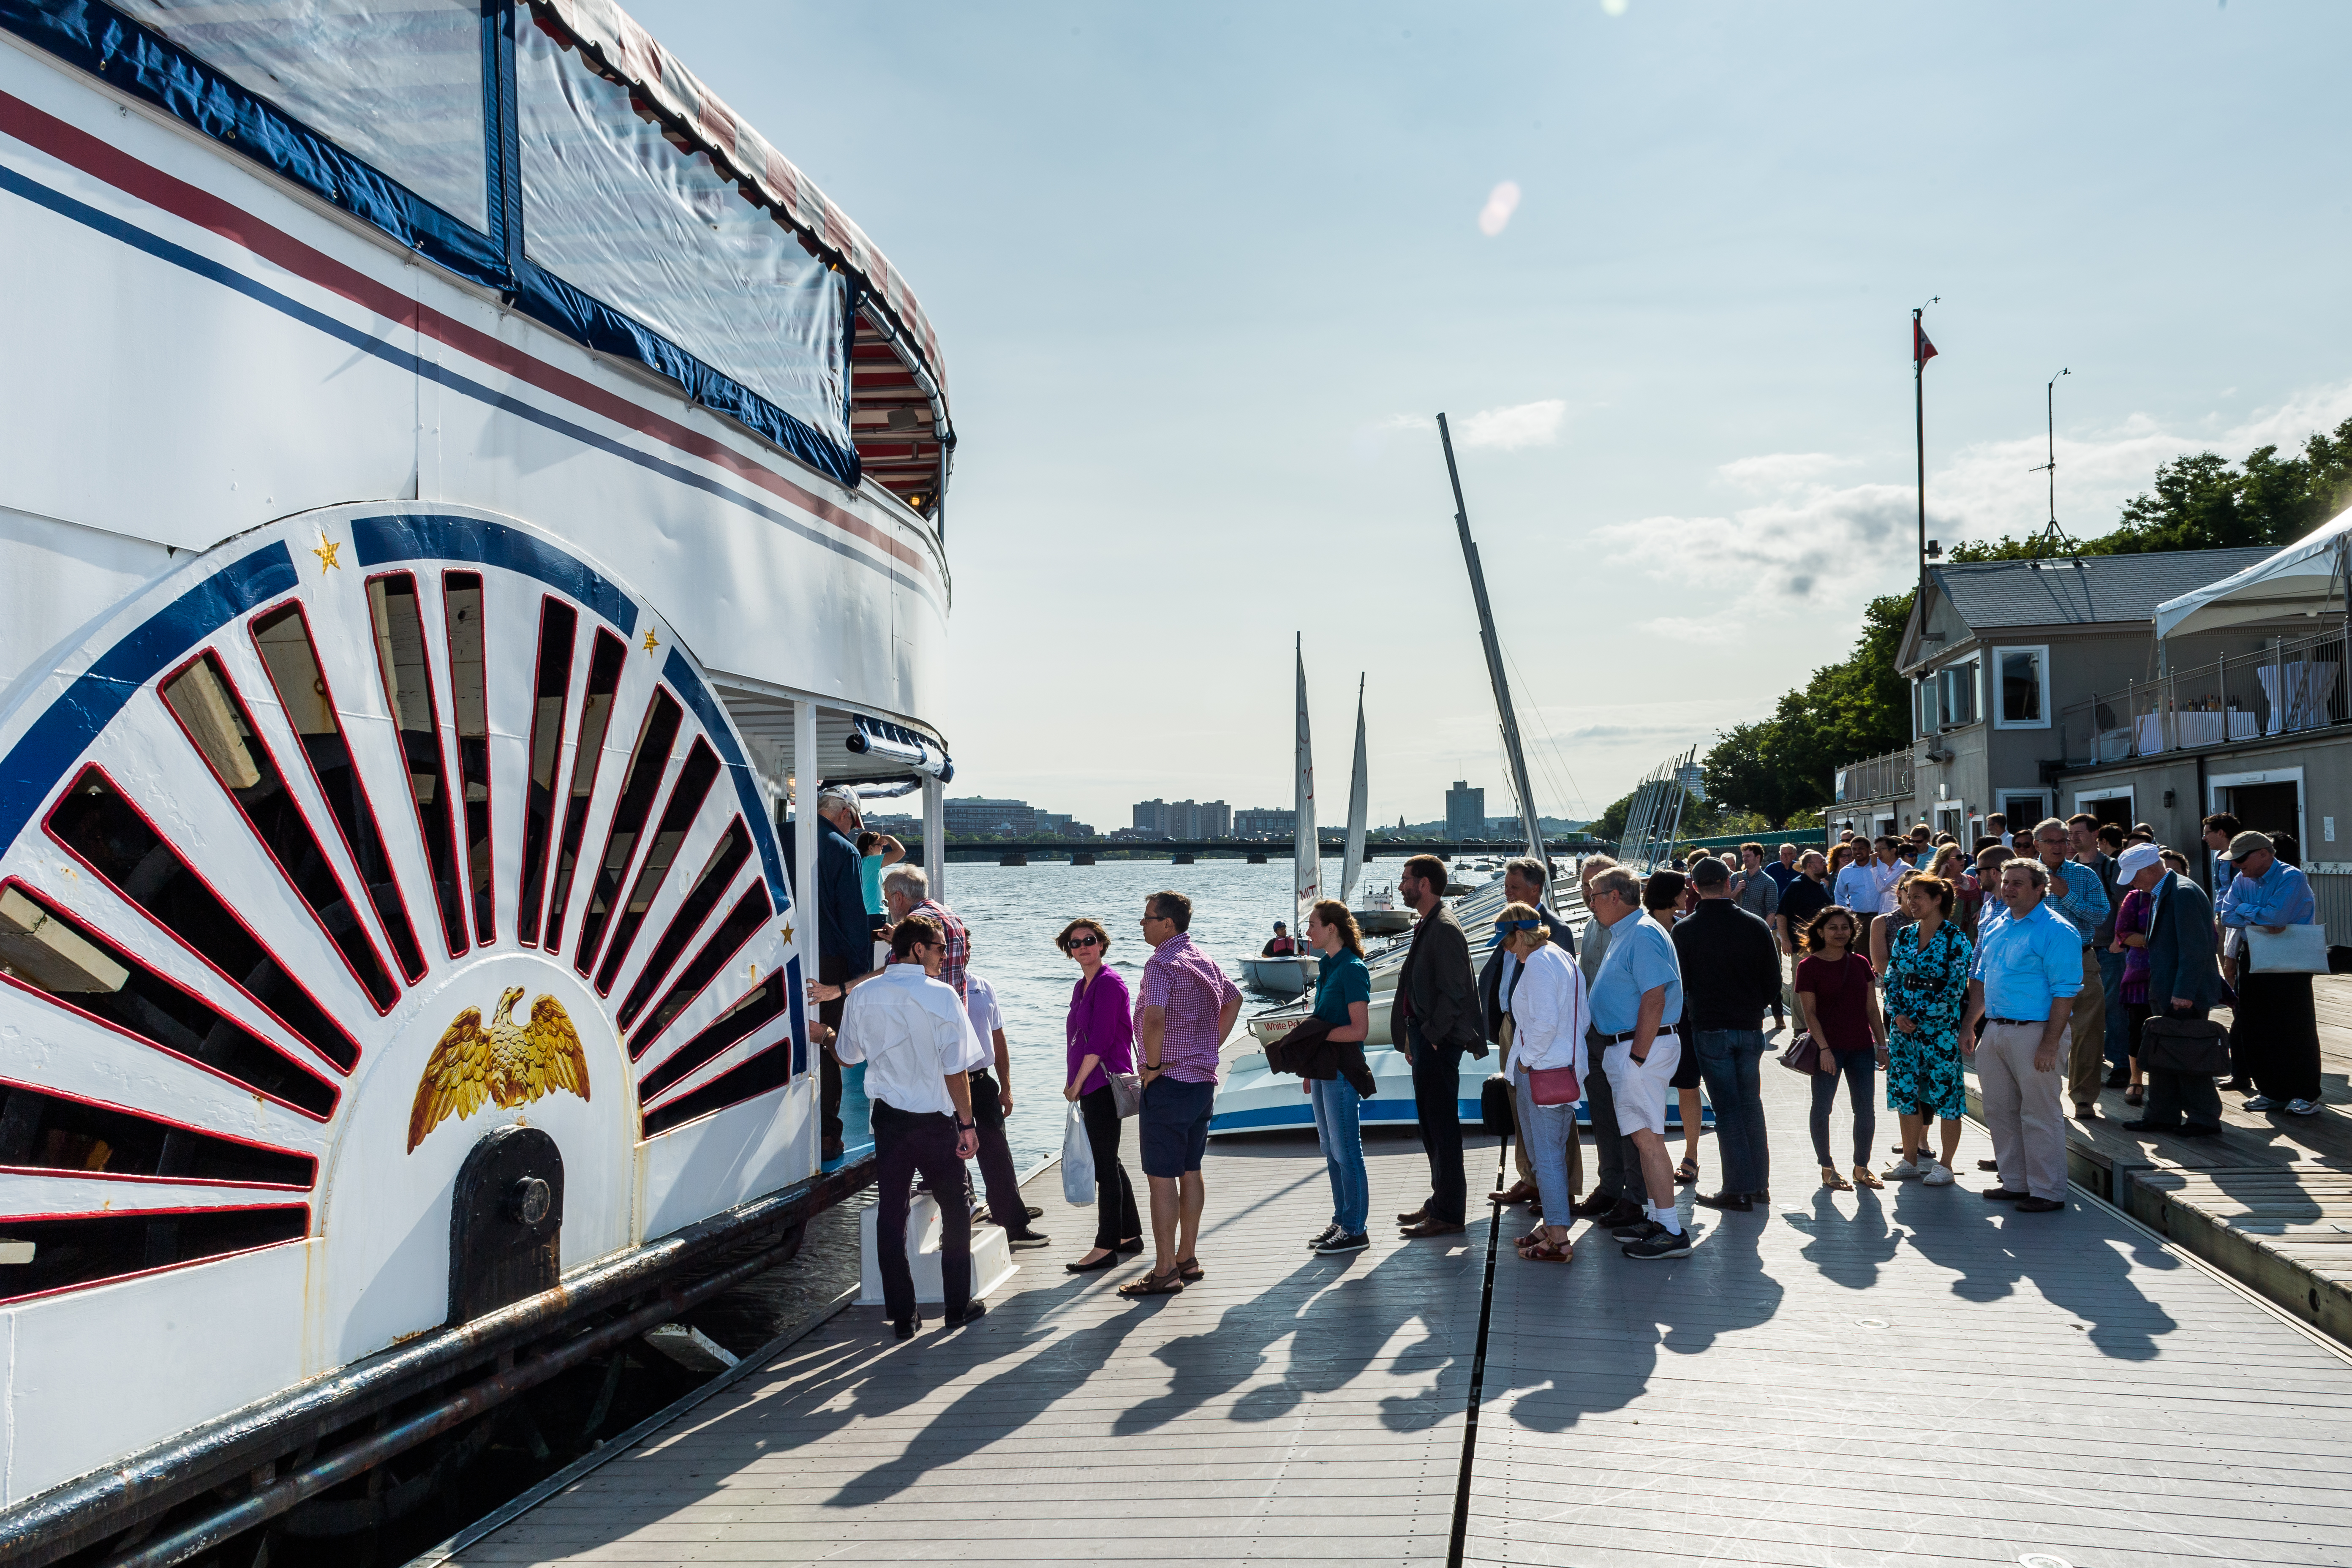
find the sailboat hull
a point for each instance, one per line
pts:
(1279, 977)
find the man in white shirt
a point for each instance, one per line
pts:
(991, 1101)
(911, 1030)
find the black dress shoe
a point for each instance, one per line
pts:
(1133, 1249)
(1592, 1208)
(1414, 1216)
(974, 1311)
(1435, 1228)
(831, 1150)
(2000, 1195)
(2038, 1205)
(1107, 1260)
(905, 1328)
(1729, 1203)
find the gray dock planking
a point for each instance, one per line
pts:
(1910, 1376)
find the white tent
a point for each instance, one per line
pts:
(2310, 577)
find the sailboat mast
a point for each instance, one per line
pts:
(1528, 819)
(1351, 864)
(1306, 874)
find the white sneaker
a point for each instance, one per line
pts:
(2302, 1107)
(1938, 1176)
(1902, 1171)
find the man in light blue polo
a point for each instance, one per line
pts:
(2022, 983)
(2075, 892)
(1637, 1009)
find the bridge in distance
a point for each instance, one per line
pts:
(1252, 849)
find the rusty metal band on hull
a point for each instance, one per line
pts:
(241, 1444)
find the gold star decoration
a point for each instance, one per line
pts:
(326, 551)
(788, 932)
(652, 642)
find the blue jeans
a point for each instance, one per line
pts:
(1545, 1132)
(1727, 1062)
(1336, 1104)
(2118, 1038)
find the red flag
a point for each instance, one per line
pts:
(1922, 351)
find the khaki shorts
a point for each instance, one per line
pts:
(1644, 1089)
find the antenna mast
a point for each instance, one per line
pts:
(2052, 535)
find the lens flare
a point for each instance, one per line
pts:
(1501, 203)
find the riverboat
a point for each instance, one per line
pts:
(462, 481)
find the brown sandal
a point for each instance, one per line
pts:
(1533, 1238)
(1833, 1182)
(1863, 1176)
(1191, 1270)
(1154, 1284)
(1549, 1252)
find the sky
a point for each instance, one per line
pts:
(1202, 275)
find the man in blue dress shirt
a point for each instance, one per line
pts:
(2022, 983)
(2075, 893)
(2274, 1032)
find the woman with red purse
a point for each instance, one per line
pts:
(1544, 1059)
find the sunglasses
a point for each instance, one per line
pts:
(1089, 940)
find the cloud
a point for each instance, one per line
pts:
(1686, 628)
(1776, 469)
(1501, 203)
(1520, 424)
(1797, 546)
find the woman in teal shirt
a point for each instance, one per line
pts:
(1343, 998)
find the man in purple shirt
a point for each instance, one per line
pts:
(1187, 1009)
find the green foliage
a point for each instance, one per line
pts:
(2205, 502)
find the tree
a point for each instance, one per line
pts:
(1742, 773)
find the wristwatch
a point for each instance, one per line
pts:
(967, 1126)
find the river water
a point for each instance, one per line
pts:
(1013, 913)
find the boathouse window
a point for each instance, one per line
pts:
(2024, 680)
(395, 82)
(613, 207)
(1957, 700)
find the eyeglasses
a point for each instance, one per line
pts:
(1089, 940)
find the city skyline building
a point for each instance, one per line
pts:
(1465, 811)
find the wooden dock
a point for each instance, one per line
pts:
(1912, 1376)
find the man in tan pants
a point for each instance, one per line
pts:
(2075, 892)
(2022, 982)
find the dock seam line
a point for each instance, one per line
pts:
(1478, 1368)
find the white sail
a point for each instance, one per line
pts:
(1351, 861)
(1308, 877)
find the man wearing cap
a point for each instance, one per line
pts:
(2022, 983)
(2181, 983)
(2274, 1033)
(2074, 893)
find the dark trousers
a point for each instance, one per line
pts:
(997, 1174)
(1860, 1071)
(1617, 1169)
(1437, 1101)
(2274, 1034)
(904, 1144)
(1729, 1060)
(1116, 1219)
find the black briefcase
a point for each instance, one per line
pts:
(2184, 1045)
(1497, 1113)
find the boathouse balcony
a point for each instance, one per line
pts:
(1878, 778)
(2294, 685)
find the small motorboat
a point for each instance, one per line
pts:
(1290, 976)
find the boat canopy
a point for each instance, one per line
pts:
(2310, 577)
(553, 150)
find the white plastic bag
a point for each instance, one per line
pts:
(1077, 1161)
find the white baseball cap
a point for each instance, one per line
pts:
(2136, 860)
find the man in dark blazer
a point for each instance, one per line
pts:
(1523, 883)
(1437, 1000)
(2183, 982)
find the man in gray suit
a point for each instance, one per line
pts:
(2182, 982)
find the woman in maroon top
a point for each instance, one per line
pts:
(1837, 1000)
(1101, 1033)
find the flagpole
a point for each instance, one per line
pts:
(1919, 427)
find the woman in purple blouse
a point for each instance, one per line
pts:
(1101, 1031)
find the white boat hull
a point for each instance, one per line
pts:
(1280, 976)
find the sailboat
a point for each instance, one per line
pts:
(1291, 976)
(1385, 920)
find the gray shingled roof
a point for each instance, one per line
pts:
(2083, 590)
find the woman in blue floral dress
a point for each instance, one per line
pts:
(1926, 990)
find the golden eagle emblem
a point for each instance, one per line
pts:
(509, 1063)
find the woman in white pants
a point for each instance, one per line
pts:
(1549, 1016)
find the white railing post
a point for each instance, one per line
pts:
(806, 930)
(935, 837)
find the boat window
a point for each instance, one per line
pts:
(50, 1133)
(742, 923)
(647, 759)
(47, 950)
(685, 798)
(209, 708)
(763, 1002)
(557, 625)
(97, 822)
(409, 687)
(611, 206)
(718, 874)
(395, 82)
(283, 638)
(587, 761)
(463, 594)
(70, 1252)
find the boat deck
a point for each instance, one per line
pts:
(1910, 1376)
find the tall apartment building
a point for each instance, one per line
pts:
(1265, 822)
(1185, 818)
(1465, 812)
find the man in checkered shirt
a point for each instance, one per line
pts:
(1187, 1009)
(908, 891)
